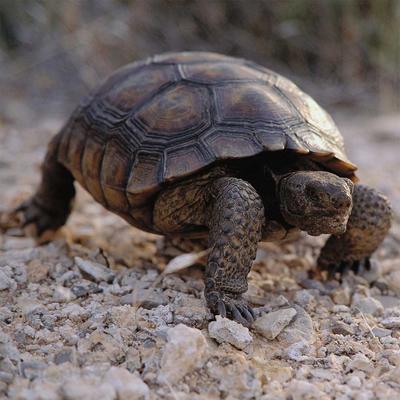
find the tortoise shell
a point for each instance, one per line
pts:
(156, 121)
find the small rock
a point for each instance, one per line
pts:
(313, 284)
(301, 328)
(393, 281)
(354, 382)
(6, 315)
(161, 316)
(63, 295)
(304, 298)
(341, 296)
(65, 355)
(37, 270)
(271, 325)
(226, 330)
(98, 272)
(185, 351)
(6, 282)
(301, 390)
(235, 377)
(191, 311)
(84, 288)
(391, 322)
(367, 305)
(128, 386)
(78, 389)
(277, 371)
(360, 362)
(122, 316)
(145, 298)
(381, 332)
(340, 308)
(32, 369)
(299, 351)
(340, 328)
(388, 301)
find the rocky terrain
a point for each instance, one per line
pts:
(94, 315)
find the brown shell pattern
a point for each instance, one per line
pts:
(158, 120)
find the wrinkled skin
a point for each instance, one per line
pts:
(317, 202)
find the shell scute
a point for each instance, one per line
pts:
(219, 73)
(177, 110)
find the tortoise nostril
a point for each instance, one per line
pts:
(342, 201)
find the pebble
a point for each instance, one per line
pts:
(393, 281)
(299, 351)
(185, 351)
(127, 385)
(224, 330)
(391, 322)
(146, 298)
(84, 288)
(5, 281)
(341, 296)
(6, 315)
(367, 305)
(80, 388)
(300, 329)
(63, 294)
(304, 299)
(98, 272)
(340, 328)
(271, 325)
(302, 390)
(360, 362)
(381, 332)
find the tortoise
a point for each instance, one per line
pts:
(199, 144)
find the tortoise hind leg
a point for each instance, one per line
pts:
(50, 206)
(368, 225)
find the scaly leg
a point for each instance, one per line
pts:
(235, 220)
(50, 206)
(368, 225)
(233, 213)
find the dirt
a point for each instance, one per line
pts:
(91, 314)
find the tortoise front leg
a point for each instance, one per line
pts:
(235, 220)
(368, 225)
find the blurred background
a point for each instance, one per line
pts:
(346, 53)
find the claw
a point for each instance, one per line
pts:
(237, 316)
(246, 314)
(221, 309)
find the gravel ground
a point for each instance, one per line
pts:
(92, 315)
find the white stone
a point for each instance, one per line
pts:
(301, 390)
(185, 351)
(128, 386)
(226, 330)
(63, 294)
(79, 389)
(271, 325)
(354, 382)
(360, 362)
(391, 322)
(300, 329)
(367, 305)
(98, 272)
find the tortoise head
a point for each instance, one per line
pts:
(316, 201)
